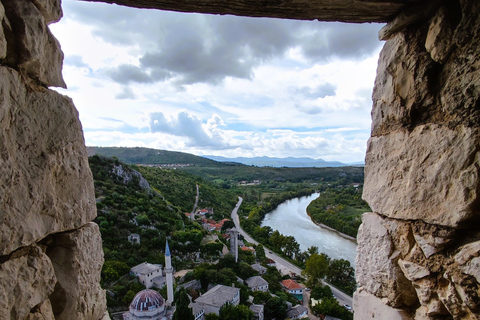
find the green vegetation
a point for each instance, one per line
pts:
(179, 188)
(153, 156)
(152, 202)
(337, 272)
(181, 301)
(340, 208)
(127, 204)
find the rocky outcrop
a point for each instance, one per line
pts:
(422, 172)
(128, 175)
(50, 253)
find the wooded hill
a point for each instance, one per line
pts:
(228, 173)
(139, 155)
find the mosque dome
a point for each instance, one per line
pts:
(147, 303)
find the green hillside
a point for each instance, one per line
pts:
(153, 156)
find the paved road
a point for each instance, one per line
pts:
(283, 265)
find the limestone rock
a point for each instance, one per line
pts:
(77, 258)
(46, 185)
(432, 238)
(43, 311)
(377, 268)
(50, 9)
(472, 268)
(413, 271)
(450, 299)
(440, 36)
(128, 175)
(467, 252)
(26, 280)
(421, 182)
(368, 306)
(37, 53)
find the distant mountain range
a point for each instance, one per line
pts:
(285, 162)
(139, 155)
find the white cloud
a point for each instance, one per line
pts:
(220, 85)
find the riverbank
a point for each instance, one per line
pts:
(346, 236)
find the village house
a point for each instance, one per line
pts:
(259, 268)
(257, 310)
(291, 286)
(257, 283)
(297, 312)
(215, 298)
(146, 273)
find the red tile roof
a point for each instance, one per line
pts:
(291, 284)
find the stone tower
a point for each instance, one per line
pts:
(169, 274)
(234, 243)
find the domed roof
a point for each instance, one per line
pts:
(147, 302)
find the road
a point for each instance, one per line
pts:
(283, 265)
(192, 214)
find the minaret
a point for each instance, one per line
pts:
(234, 242)
(169, 274)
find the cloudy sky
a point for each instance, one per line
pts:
(219, 85)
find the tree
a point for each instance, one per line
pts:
(182, 311)
(316, 268)
(260, 252)
(321, 292)
(228, 225)
(275, 308)
(330, 306)
(231, 312)
(341, 274)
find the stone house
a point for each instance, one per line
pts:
(146, 273)
(215, 298)
(257, 283)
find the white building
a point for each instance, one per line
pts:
(257, 283)
(215, 298)
(291, 286)
(257, 310)
(146, 272)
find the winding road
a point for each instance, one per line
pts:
(283, 265)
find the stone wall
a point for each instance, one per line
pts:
(50, 253)
(419, 252)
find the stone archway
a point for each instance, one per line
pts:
(419, 252)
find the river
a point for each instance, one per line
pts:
(290, 218)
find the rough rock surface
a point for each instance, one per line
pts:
(368, 306)
(422, 169)
(324, 10)
(45, 180)
(33, 48)
(50, 252)
(26, 280)
(77, 258)
(424, 182)
(377, 266)
(128, 175)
